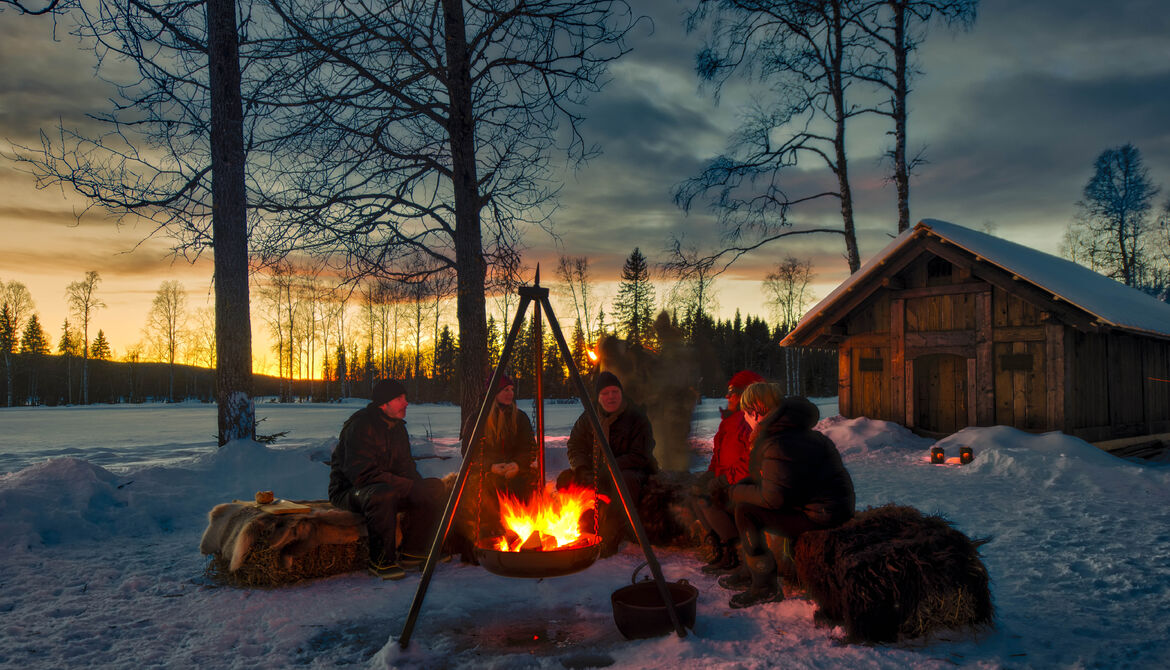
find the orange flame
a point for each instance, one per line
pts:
(552, 516)
(591, 354)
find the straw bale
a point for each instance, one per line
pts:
(252, 547)
(893, 573)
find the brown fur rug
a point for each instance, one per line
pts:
(892, 573)
(251, 547)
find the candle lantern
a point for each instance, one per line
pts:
(965, 455)
(937, 455)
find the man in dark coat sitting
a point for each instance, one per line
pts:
(372, 473)
(632, 441)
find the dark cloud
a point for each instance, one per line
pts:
(1010, 115)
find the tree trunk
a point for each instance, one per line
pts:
(233, 322)
(471, 270)
(851, 253)
(901, 91)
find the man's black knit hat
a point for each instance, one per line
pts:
(605, 379)
(387, 390)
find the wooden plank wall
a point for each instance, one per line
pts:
(1088, 392)
(1127, 415)
(871, 388)
(1156, 365)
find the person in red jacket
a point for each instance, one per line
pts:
(729, 464)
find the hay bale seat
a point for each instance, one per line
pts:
(892, 573)
(250, 547)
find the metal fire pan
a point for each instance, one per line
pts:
(538, 564)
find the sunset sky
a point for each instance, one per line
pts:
(1011, 115)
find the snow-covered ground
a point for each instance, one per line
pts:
(102, 508)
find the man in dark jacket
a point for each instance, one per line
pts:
(796, 483)
(630, 438)
(372, 472)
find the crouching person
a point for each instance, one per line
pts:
(796, 483)
(373, 473)
(632, 441)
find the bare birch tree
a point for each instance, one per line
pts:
(1112, 226)
(83, 303)
(438, 119)
(173, 147)
(18, 305)
(573, 272)
(166, 326)
(787, 291)
(808, 53)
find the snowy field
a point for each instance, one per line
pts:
(102, 509)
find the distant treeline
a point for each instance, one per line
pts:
(722, 347)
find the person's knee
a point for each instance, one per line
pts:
(565, 479)
(373, 497)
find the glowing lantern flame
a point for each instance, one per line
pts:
(553, 517)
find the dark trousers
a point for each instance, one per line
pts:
(613, 517)
(380, 504)
(753, 520)
(714, 517)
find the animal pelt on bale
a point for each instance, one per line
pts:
(893, 573)
(279, 548)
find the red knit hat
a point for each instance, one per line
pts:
(741, 380)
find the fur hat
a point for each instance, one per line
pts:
(387, 390)
(605, 380)
(741, 380)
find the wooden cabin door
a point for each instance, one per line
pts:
(940, 393)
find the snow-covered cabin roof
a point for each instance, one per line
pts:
(1108, 301)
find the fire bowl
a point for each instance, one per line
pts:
(537, 564)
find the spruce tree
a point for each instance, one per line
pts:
(635, 301)
(100, 350)
(33, 341)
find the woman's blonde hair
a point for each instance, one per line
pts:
(761, 398)
(501, 422)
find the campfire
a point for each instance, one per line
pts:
(548, 521)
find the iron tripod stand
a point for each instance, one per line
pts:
(528, 295)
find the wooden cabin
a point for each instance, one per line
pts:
(949, 327)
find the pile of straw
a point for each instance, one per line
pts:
(892, 573)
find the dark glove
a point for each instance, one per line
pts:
(717, 485)
(583, 475)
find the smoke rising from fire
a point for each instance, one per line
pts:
(665, 383)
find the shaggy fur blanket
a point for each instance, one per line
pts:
(893, 573)
(234, 529)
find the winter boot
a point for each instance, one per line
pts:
(415, 562)
(740, 579)
(765, 584)
(381, 565)
(715, 546)
(728, 555)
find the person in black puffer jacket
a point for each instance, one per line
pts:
(373, 473)
(796, 483)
